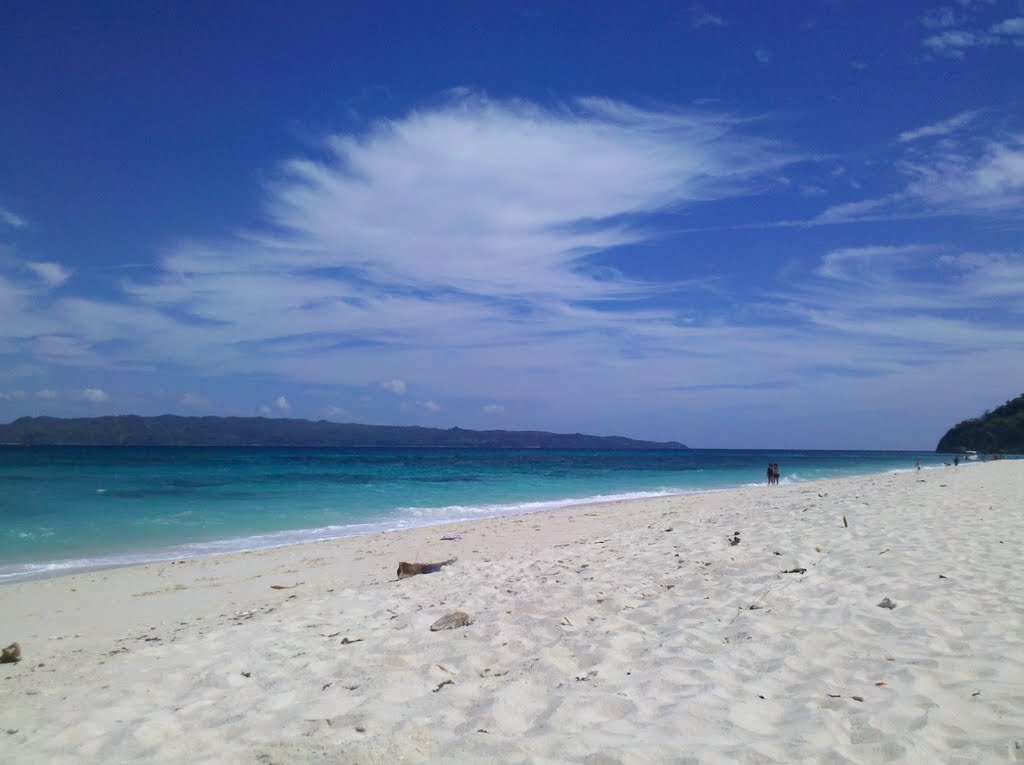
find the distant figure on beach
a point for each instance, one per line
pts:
(919, 464)
(956, 461)
(775, 473)
(770, 474)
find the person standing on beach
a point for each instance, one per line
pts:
(919, 465)
(770, 474)
(775, 473)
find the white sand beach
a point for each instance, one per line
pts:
(635, 632)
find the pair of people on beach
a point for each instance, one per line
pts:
(773, 473)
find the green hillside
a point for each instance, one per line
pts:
(998, 431)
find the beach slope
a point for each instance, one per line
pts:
(738, 626)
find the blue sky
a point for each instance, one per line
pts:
(713, 223)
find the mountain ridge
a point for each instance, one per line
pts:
(177, 430)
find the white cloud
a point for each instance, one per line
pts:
(11, 219)
(337, 411)
(897, 284)
(954, 42)
(46, 395)
(282, 405)
(952, 177)
(94, 395)
(51, 274)
(423, 406)
(1013, 28)
(395, 386)
(702, 18)
(865, 264)
(992, 181)
(864, 209)
(15, 395)
(945, 127)
(493, 197)
(265, 411)
(493, 409)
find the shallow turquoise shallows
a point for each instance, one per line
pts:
(74, 508)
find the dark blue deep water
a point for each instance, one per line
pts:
(71, 508)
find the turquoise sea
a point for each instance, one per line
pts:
(65, 509)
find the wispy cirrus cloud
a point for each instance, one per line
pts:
(904, 313)
(941, 128)
(989, 180)
(12, 219)
(956, 33)
(51, 274)
(944, 173)
(504, 198)
(890, 283)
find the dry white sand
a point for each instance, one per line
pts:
(628, 632)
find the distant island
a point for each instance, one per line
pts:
(172, 430)
(1000, 431)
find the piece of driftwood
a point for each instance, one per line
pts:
(405, 570)
(451, 621)
(10, 654)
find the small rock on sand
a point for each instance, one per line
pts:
(886, 603)
(10, 654)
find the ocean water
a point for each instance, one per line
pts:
(65, 509)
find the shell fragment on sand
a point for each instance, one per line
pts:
(451, 621)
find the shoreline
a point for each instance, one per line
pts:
(632, 631)
(27, 571)
(72, 566)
